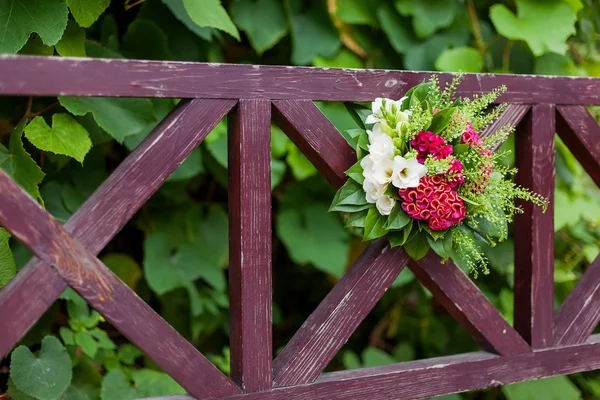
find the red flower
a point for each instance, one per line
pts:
(433, 201)
(429, 143)
(470, 136)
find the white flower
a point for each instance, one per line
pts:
(367, 165)
(402, 119)
(407, 173)
(373, 190)
(378, 104)
(375, 132)
(381, 147)
(385, 204)
(383, 170)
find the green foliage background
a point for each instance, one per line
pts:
(174, 252)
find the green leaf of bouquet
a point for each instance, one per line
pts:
(7, 262)
(359, 113)
(350, 194)
(441, 119)
(19, 165)
(357, 219)
(429, 15)
(460, 148)
(465, 59)
(65, 137)
(355, 173)
(418, 246)
(72, 43)
(44, 377)
(19, 19)
(420, 94)
(442, 245)
(212, 14)
(251, 15)
(374, 225)
(483, 226)
(86, 12)
(363, 142)
(532, 21)
(118, 117)
(313, 33)
(398, 219)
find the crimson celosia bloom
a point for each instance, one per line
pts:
(429, 143)
(454, 176)
(470, 136)
(433, 201)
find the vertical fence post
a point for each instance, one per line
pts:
(534, 230)
(250, 244)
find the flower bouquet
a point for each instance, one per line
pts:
(425, 179)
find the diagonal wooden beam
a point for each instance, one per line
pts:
(250, 244)
(579, 315)
(454, 290)
(108, 209)
(513, 114)
(534, 230)
(330, 326)
(316, 137)
(121, 306)
(581, 133)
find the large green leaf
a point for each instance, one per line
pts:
(556, 388)
(20, 18)
(44, 377)
(311, 235)
(19, 165)
(124, 266)
(115, 385)
(357, 12)
(151, 383)
(313, 33)
(211, 13)
(263, 21)
(118, 117)
(178, 10)
(72, 43)
(86, 12)
(65, 137)
(465, 59)
(146, 40)
(185, 246)
(7, 262)
(428, 15)
(533, 21)
(399, 34)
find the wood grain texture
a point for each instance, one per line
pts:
(534, 230)
(436, 376)
(579, 315)
(513, 114)
(316, 137)
(330, 326)
(581, 133)
(454, 290)
(52, 76)
(121, 306)
(108, 210)
(250, 253)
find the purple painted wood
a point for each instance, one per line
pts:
(453, 289)
(330, 326)
(513, 114)
(109, 209)
(317, 137)
(581, 133)
(250, 244)
(437, 376)
(121, 306)
(52, 76)
(534, 230)
(579, 315)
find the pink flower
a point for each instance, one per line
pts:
(470, 136)
(433, 201)
(454, 176)
(429, 143)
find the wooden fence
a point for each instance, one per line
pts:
(542, 343)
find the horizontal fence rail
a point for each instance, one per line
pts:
(541, 344)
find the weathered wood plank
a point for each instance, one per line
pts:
(330, 326)
(52, 76)
(513, 114)
(121, 306)
(109, 208)
(250, 234)
(454, 290)
(534, 230)
(317, 137)
(581, 133)
(579, 315)
(436, 376)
